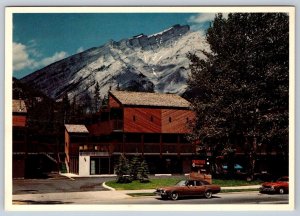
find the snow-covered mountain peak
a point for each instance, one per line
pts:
(156, 62)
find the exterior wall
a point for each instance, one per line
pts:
(84, 165)
(138, 120)
(19, 120)
(176, 121)
(67, 146)
(113, 103)
(18, 166)
(19, 139)
(101, 128)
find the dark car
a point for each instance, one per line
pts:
(188, 188)
(280, 186)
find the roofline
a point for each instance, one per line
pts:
(146, 106)
(76, 131)
(157, 107)
(111, 94)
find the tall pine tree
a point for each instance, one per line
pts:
(97, 98)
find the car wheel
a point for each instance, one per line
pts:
(281, 191)
(208, 194)
(174, 196)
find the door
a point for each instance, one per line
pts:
(190, 188)
(99, 165)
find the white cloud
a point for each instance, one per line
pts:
(201, 18)
(56, 57)
(25, 57)
(197, 21)
(21, 58)
(80, 49)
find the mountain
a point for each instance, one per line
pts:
(156, 62)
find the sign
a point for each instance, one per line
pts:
(198, 163)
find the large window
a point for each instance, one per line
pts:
(99, 166)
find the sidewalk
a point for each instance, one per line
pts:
(90, 197)
(72, 175)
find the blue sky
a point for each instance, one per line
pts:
(40, 39)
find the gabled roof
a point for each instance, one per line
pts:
(19, 106)
(150, 99)
(72, 128)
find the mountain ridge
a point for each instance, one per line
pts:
(156, 62)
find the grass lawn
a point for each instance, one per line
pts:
(167, 181)
(136, 185)
(230, 183)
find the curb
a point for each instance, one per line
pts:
(69, 177)
(107, 187)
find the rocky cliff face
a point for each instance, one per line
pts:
(142, 62)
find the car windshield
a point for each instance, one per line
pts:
(181, 183)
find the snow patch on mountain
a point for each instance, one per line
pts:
(157, 61)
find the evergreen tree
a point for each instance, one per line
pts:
(66, 108)
(241, 87)
(143, 172)
(97, 98)
(123, 170)
(105, 100)
(134, 164)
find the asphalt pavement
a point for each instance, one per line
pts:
(69, 189)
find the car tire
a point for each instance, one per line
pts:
(281, 191)
(174, 196)
(208, 194)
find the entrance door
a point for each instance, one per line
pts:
(99, 165)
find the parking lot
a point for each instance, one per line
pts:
(56, 183)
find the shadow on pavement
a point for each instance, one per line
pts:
(32, 202)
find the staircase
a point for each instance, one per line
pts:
(49, 156)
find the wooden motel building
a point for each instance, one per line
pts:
(151, 125)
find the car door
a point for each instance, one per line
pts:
(190, 188)
(199, 189)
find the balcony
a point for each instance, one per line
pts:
(117, 125)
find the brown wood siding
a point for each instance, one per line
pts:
(142, 122)
(67, 145)
(19, 121)
(113, 103)
(100, 128)
(175, 121)
(18, 166)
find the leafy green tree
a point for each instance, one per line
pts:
(240, 88)
(143, 172)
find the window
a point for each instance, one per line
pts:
(134, 118)
(170, 119)
(187, 119)
(151, 118)
(190, 183)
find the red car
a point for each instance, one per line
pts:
(188, 188)
(280, 186)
